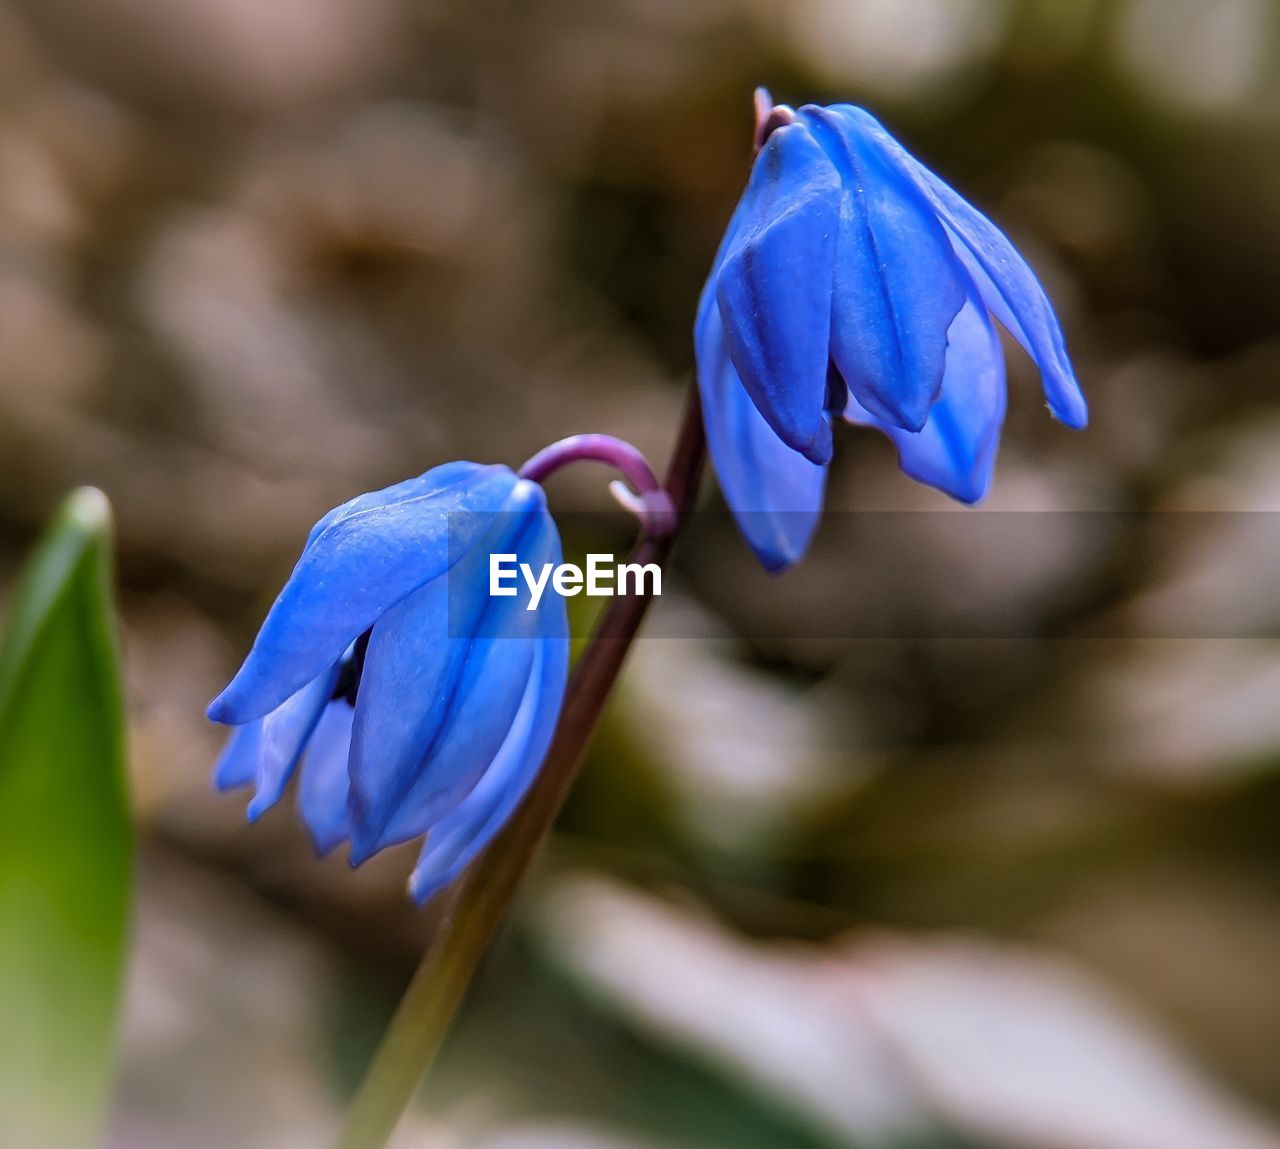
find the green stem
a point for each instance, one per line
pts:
(437, 988)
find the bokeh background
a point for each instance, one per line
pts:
(810, 892)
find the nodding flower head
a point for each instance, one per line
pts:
(852, 282)
(420, 703)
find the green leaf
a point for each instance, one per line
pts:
(65, 838)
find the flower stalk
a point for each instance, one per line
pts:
(480, 904)
(645, 497)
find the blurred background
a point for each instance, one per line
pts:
(809, 893)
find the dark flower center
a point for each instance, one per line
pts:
(837, 392)
(348, 684)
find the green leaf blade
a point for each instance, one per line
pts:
(65, 838)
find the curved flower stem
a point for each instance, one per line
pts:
(646, 498)
(437, 988)
(600, 448)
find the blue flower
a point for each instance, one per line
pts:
(853, 282)
(422, 704)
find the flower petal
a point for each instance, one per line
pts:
(1008, 286)
(268, 750)
(897, 281)
(460, 835)
(285, 733)
(237, 765)
(775, 493)
(323, 786)
(366, 557)
(774, 287)
(956, 449)
(443, 678)
(433, 482)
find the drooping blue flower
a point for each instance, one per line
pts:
(853, 282)
(415, 702)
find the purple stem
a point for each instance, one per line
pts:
(769, 117)
(616, 453)
(652, 506)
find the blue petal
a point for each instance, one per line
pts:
(268, 750)
(956, 449)
(366, 557)
(431, 483)
(237, 765)
(285, 733)
(459, 836)
(897, 281)
(774, 287)
(443, 678)
(322, 788)
(1009, 287)
(775, 493)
